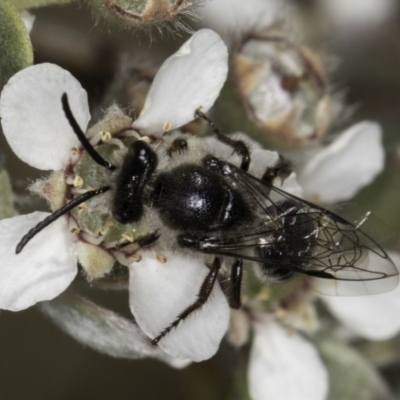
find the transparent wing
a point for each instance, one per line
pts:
(291, 234)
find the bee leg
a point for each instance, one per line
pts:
(282, 169)
(235, 284)
(238, 146)
(148, 240)
(204, 293)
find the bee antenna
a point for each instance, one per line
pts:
(57, 214)
(81, 136)
(210, 123)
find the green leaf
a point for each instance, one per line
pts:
(20, 4)
(101, 329)
(15, 45)
(6, 196)
(351, 376)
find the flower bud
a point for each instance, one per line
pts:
(141, 13)
(283, 87)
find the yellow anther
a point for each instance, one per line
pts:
(74, 230)
(161, 258)
(105, 136)
(281, 313)
(167, 126)
(264, 294)
(74, 151)
(128, 236)
(78, 182)
(82, 207)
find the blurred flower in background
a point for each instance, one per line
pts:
(286, 91)
(357, 19)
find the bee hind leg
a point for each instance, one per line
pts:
(232, 287)
(202, 297)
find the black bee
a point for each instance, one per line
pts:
(213, 207)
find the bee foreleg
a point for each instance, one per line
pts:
(239, 146)
(204, 294)
(282, 169)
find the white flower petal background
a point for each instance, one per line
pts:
(358, 14)
(374, 317)
(284, 366)
(231, 19)
(340, 170)
(32, 117)
(159, 292)
(43, 270)
(190, 79)
(28, 19)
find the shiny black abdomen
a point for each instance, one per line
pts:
(193, 198)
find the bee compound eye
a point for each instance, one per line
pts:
(180, 144)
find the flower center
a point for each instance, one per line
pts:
(92, 221)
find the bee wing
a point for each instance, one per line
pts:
(342, 258)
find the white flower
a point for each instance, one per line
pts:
(231, 20)
(337, 172)
(352, 18)
(284, 366)
(370, 317)
(160, 287)
(28, 19)
(284, 87)
(280, 354)
(188, 80)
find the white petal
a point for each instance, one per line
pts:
(374, 317)
(231, 19)
(348, 164)
(28, 19)
(32, 117)
(355, 14)
(285, 366)
(159, 292)
(190, 79)
(44, 268)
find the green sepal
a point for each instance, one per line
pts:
(21, 4)
(6, 196)
(351, 376)
(15, 45)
